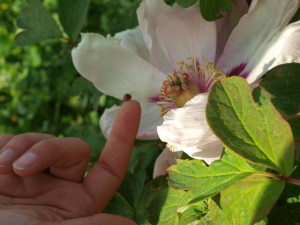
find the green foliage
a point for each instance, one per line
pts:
(186, 3)
(72, 15)
(138, 190)
(283, 82)
(41, 91)
(296, 16)
(169, 207)
(38, 24)
(295, 125)
(247, 201)
(202, 181)
(211, 9)
(287, 210)
(110, 17)
(165, 207)
(255, 131)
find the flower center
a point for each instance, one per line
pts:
(187, 82)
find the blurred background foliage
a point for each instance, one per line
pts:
(40, 90)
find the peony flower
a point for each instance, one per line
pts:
(170, 62)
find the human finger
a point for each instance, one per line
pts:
(106, 176)
(4, 138)
(16, 146)
(98, 219)
(66, 158)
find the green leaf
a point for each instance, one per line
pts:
(211, 9)
(283, 82)
(151, 189)
(120, 206)
(285, 214)
(186, 3)
(296, 16)
(255, 131)
(203, 181)
(295, 125)
(163, 209)
(287, 210)
(247, 201)
(37, 23)
(193, 214)
(72, 15)
(141, 158)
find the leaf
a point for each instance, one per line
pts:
(287, 210)
(37, 23)
(285, 214)
(163, 209)
(247, 201)
(119, 206)
(151, 189)
(202, 181)
(186, 3)
(141, 158)
(283, 82)
(296, 16)
(72, 15)
(211, 9)
(256, 131)
(295, 125)
(193, 214)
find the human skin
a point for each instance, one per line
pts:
(50, 188)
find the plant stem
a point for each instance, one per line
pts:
(280, 177)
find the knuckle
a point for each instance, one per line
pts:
(46, 145)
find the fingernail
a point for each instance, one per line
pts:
(126, 97)
(6, 157)
(26, 161)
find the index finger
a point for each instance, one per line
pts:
(106, 176)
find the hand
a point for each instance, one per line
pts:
(42, 177)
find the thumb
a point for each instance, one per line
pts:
(98, 219)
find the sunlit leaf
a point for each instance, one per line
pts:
(253, 130)
(202, 181)
(247, 201)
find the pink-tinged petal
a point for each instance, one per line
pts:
(150, 119)
(115, 70)
(284, 48)
(166, 159)
(186, 129)
(184, 33)
(147, 14)
(254, 33)
(228, 22)
(133, 40)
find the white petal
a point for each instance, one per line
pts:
(184, 33)
(133, 40)
(227, 23)
(107, 120)
(285, 48)
(150, 119)
(147, 13)
(114, 70)
(166, 159)
(252, 36)
(186, 129)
